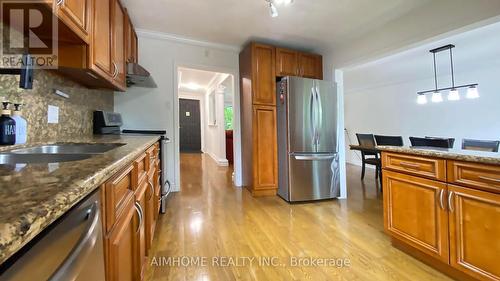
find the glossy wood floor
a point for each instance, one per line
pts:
(211, 218)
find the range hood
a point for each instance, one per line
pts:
(139, 77)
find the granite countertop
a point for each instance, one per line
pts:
(454, 154)
(35, 195)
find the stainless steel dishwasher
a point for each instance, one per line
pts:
(71, 249)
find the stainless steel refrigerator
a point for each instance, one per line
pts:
(308, 137)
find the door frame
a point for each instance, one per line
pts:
(238, 180)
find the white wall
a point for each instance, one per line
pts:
(157, 108)
(392, 110)
(199, 97)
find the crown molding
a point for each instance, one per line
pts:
(186, 40)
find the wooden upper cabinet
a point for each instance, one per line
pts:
(130, 41)
(76, 14)
(118, 43)
(264, 87)
(287, 63)
(474, 232)
(101, 58)
(310, 66)
(415, 212)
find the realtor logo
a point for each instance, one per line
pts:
(28, 27)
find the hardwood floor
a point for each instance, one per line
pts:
(211, 219)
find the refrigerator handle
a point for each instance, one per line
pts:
(320, 115)
(312, 112)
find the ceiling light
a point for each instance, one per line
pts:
(272, 10)
(453, 95)
(437, 97)
(421, 99)
(472, 92)
(284, 2)
(191, 86)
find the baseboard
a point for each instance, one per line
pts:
(220, 162)
(358, 164)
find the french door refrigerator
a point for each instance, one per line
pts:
(307, 140)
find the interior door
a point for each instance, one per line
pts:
(474, 219)
(189, 125)
(312, 116)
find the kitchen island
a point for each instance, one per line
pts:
(33, 196)
(443, 207)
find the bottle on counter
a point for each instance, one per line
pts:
(7, 126)
(21, 124)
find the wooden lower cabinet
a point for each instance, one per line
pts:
(414, 214)
(475, 232)
(130, 218)
(120, 265)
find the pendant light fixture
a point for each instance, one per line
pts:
(273, 11)
(453, 94)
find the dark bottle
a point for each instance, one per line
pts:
(7, 126)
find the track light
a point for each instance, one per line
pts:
(284, 2)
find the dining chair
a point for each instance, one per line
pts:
(450, 140)
(389, 140)
(428, 142)
(368, 141)
(480, 145)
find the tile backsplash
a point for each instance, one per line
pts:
(75, 112)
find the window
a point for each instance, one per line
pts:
(228, 117)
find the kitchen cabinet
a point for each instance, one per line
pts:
(310, 66)
(130, 41)
(101, 52)
(474, 232)
(118, 43)
(264, 88)
(130, 212)
(287, 62)
(295, 63)
(76, 14)
(446, 210)
(414, 213)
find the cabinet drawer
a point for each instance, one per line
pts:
(141, 165)
(118, 190)
(419, 166)
(481, 176)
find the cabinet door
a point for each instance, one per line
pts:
(415, 213)
(265, 160)
(286, 62)
(76, 14)
(264, 89)
(150, 210)
(140, 226)
(310, 66)
(118, 43)
(101, 57)
(121, 249)
(475, 232)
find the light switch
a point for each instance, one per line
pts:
(53, 114)
(188, 113)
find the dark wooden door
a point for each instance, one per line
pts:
(189, 125)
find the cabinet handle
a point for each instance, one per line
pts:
(115, 70)
(409, 165)
(60, 2)
(441, 198)
(450, 201)
(490, 179)
(138, 209)
(152, 189)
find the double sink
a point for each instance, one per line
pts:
(55, 153)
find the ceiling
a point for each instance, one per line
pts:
(304, 24)
(475, 50)
(196, 80)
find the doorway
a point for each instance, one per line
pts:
(189, 126)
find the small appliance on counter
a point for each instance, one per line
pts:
(21, 124)
(109, 123)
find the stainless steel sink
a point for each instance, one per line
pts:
(14, 158)
(69, 148)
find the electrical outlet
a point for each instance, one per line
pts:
(53, 114)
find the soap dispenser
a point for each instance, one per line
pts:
(21, 124)
(7, 126)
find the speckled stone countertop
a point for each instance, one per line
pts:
(33, 196)
(455, 154)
